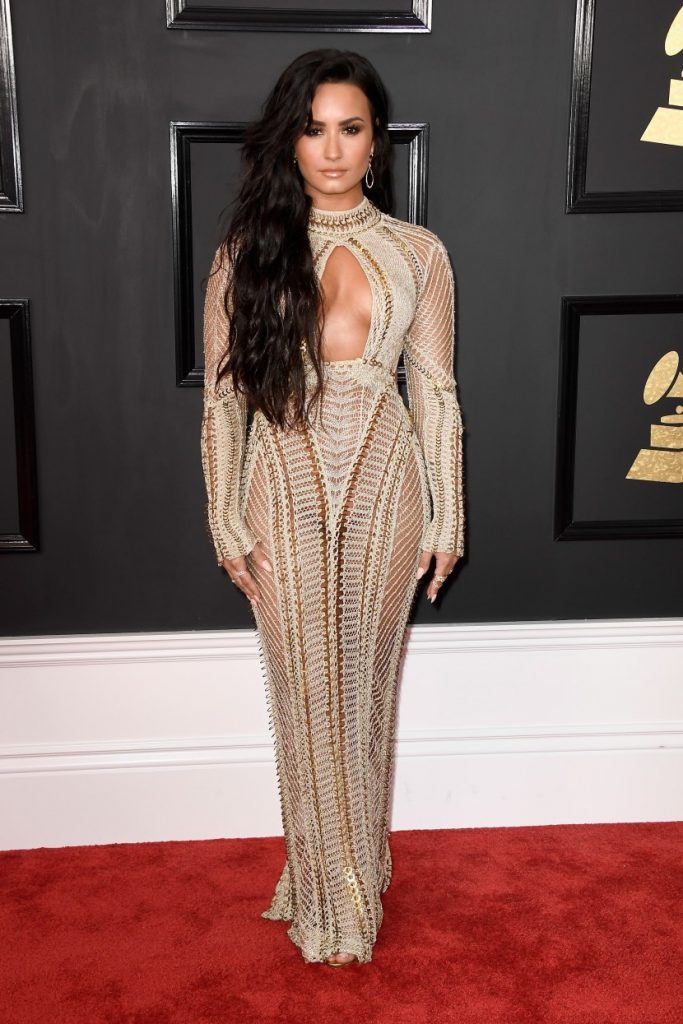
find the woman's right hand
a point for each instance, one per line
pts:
(246, 582)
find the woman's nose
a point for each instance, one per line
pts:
(332, 147)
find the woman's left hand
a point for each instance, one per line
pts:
(445, 561)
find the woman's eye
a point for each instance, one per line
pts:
(353, 128)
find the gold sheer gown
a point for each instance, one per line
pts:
(344, 511)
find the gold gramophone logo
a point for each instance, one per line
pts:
(663, 460)
(667, 123)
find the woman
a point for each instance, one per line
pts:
(331, 509)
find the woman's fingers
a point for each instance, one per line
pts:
(445, 562)
(423, 564)
(260, 557)
(245, 581)
(238, 571)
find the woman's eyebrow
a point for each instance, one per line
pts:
(346, 120)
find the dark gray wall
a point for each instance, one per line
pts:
(121, 503)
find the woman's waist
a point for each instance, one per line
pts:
(353, 390)
(365, 370)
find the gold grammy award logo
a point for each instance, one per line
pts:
(666, 125)
(663, 461)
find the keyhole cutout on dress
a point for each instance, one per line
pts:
(347, 302)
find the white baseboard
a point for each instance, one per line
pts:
(163, 736)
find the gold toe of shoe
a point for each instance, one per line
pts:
(342, 963)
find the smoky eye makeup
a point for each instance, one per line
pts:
(352, 129)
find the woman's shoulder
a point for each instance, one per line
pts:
(424, 242)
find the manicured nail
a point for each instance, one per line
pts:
(421, 572)
(267, 565)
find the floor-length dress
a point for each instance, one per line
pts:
(343, 510)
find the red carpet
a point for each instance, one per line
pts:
(564, 923)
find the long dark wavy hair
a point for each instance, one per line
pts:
(274, 298)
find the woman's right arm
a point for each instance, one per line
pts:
(223, 428)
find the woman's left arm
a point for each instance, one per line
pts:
(428, 357)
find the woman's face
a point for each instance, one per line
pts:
(339, 138)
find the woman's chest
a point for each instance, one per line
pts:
(371, 277)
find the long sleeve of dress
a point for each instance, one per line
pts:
(428, 357)
(223, 428)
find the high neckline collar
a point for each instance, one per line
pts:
(340, 222)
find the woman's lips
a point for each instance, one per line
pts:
(334, 174)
